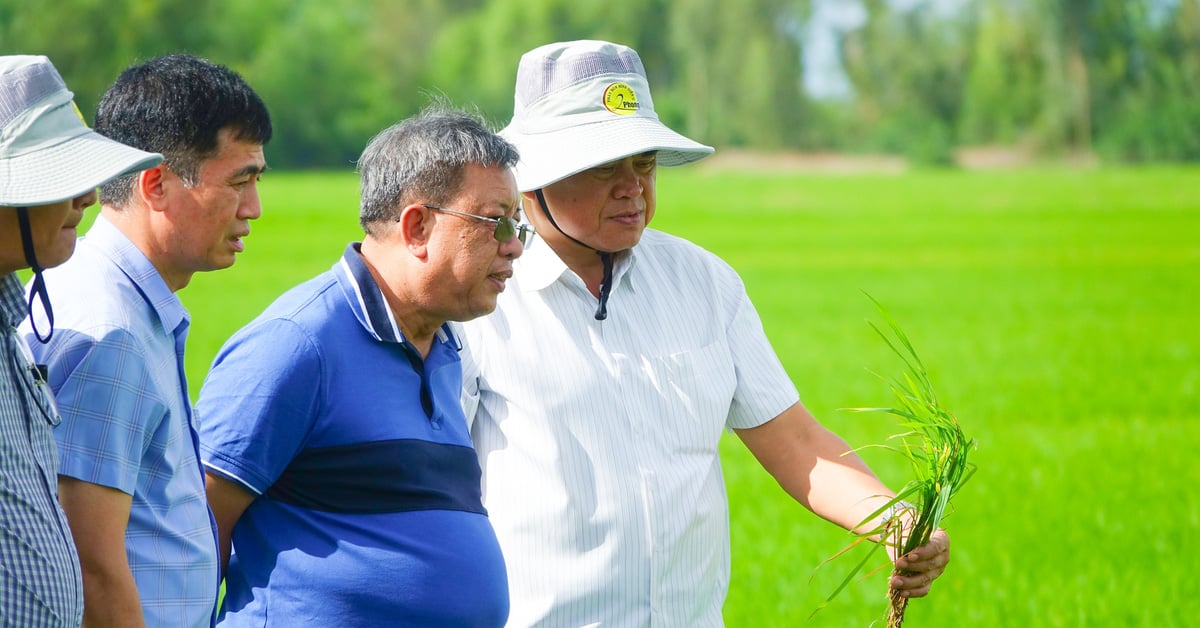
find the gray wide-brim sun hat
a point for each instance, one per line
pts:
(47, 153)
(580, 104)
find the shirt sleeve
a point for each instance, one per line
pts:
(764, 389)
(260, 402)
(109, 410)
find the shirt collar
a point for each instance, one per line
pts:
(540, 266)
(367, 300)
(110, 241)
(13, 307)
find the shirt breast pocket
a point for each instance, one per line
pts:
(693, 390)
(45, 402)
(34, 379)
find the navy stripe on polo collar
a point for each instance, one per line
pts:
(368, 302)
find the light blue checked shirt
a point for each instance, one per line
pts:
(116, 368)
(39, 571)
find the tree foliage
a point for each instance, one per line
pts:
(1119, 79)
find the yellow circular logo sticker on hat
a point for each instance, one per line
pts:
(620, 99)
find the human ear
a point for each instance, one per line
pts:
(414, 229)
(150, 187)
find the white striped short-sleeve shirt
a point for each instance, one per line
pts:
(599, 439)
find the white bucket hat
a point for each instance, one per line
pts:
(583, 103)
(47, 153)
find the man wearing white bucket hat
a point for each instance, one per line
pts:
(130, 479)
(600, 387)
(50, 167)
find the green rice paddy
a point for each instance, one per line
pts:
(1057, 314)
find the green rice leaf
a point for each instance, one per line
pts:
(932, 442)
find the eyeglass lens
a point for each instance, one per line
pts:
(506, 228)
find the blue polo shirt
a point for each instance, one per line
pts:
(368, 508)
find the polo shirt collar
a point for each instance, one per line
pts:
(367, 300)
(114, 244)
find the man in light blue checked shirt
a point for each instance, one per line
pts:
(50, 165)
(130, 480)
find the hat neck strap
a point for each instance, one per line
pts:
(37, 288)
(606, 258)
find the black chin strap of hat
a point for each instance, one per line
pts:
(606, 259)
(38, 287)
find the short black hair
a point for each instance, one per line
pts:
(176, 105)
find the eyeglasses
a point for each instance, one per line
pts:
(506, 227)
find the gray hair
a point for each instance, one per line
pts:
(422, 160)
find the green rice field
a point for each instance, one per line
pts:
(1056, 311)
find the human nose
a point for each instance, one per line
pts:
(85, 200)
(512, 248)
(628, 182)
(251, 206)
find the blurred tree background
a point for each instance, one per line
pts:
(1114, 79)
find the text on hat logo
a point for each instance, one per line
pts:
(619, 98)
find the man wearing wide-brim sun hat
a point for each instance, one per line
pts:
(616, 358)
(50, 167)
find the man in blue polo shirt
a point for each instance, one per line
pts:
(339, 463)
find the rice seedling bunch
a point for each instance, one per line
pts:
(935, 447)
